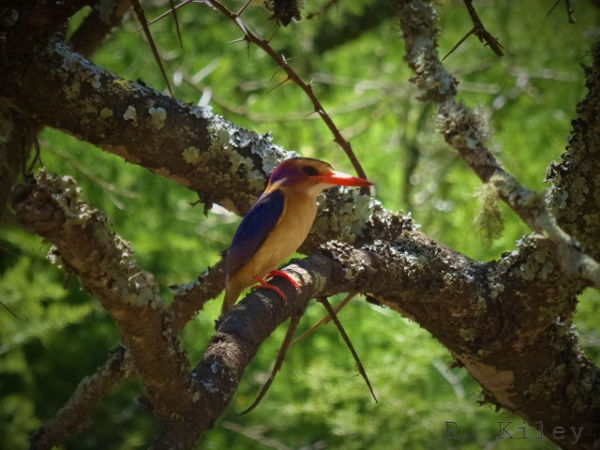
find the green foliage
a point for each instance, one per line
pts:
(61, 334)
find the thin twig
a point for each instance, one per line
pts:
(552, 8)
(325, 319)
(568, 5)
(346, 339)
(292, 75)
(139, 12)
(463, 39)
(294, 319)
(176, 20)
(5, 306)
(167, 12)
(481, 32)
(570, 10)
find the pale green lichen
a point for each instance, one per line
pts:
(353, 212)
(157, 116)
(130, 113)
(95, 81)
(76, 70)
(225, 139)
(540, 263)
(557, 198)
(65, 193)
(105, 113)
(219, 135)
(195, 397)
(72, 90)
(320, 282)
(121, 272)
(192, 155)
(495, 288)
(468, 334)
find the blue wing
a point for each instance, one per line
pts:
(254, 229)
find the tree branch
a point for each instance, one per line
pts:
(72, 417)
(465, 132)
(50, 207)
(575, 193)
(482, 34)
(105, 15)
(487, 315)
(507, 321)
(190, 145)
(29, 25)
(189, 299)
(292, 75)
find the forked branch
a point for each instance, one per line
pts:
(464, 130)
(249, 36)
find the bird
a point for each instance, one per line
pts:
(278, 223)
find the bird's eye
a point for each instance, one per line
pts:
(310, 171)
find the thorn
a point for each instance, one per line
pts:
(551, 9)
(279, 361)
(325, 319)
(9, 310)
(139, 12)
(459, 42)
(165, 14)
(273, 75)
(176, 20)
(273, 34)
(243, 8)
(240, 39)
(285, 80)
(346, 339)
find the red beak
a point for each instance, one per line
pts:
(343, 179)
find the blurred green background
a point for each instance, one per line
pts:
(354, 55)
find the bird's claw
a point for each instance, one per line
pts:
(287, 276)
(263, 284)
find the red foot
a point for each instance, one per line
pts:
(281, 273)
(263, 284)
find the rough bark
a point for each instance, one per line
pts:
(508, 321)
(575, 191)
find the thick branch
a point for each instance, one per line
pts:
(50, 207)
(488, 315)
(16, 138)
(105, 15)
(508, 322)
(27, 26)
(190, 145)
(464, 131)
(511, 342)
(575, 194)
(189, 299)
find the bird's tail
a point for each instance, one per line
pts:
(232, 293)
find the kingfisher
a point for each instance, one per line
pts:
(278, 223)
